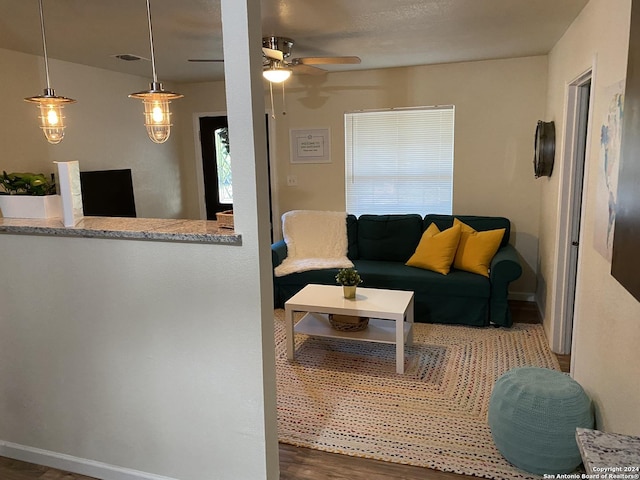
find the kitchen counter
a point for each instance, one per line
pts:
(150, 229)
(609, 455)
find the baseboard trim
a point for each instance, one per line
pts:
(522, 296)
(69, 463)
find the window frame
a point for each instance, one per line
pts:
(381, 169)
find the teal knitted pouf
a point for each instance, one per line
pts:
(533, 415)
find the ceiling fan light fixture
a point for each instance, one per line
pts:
(276, 75)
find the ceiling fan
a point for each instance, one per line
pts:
(277, 65)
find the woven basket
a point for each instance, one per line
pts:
(225, 219)
(348, 323)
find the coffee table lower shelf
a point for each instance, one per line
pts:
(378, 330)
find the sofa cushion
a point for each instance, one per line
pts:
(391, 238)
(396, 275)
(478, 223)
(352, 237)
(436, 249)
(476, 249)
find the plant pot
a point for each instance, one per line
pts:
(349, 291)
(29, 206)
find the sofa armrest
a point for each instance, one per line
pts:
(505, 268)
(278, 253)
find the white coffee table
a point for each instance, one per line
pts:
(390, 315)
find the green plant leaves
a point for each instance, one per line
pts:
(16, 183)
(348, 277)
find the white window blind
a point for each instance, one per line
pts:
(399, 161)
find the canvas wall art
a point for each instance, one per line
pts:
(607, 173)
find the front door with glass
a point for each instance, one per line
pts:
(216, 165)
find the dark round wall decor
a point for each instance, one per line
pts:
(544, 149)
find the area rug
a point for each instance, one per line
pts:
(345, 397)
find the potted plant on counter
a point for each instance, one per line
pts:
(28, 195)
(349, 278)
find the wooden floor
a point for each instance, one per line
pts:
(303, 463)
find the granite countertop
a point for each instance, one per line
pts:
(609, 455)
(154, 229)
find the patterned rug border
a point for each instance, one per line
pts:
(344, 397)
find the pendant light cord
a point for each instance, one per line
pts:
(153, 57)
(44, 47)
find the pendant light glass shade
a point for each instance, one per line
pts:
(51, 117)
(157, 116)
(50, 105)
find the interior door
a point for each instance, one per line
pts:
(582, 117)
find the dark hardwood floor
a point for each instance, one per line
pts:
(16, 470)
(303, 463)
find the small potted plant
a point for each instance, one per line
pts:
(349, 278)
(26, 184)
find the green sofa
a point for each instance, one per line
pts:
(379, 246)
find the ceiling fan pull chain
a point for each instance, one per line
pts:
(284, 102)
(273, 115)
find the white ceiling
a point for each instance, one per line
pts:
(383, 33)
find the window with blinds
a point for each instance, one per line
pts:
(399, 161)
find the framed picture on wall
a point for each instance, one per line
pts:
(310, 145)
(625, 260)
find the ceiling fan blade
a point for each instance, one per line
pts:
(306, 69)
(327, 60)
(271, 53)
(203, 60)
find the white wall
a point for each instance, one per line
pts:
(144, 355)
(105, 129)
(605, 355)
(497, 106)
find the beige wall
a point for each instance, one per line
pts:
(105, 129)
(497, 106)
(605, 354)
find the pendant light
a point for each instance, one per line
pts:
(157, 116)
(50, 105)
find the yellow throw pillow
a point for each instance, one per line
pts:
(476, 249)
(436, 249)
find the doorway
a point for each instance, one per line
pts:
(216, 165)
(215, 182)
(571, 211)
